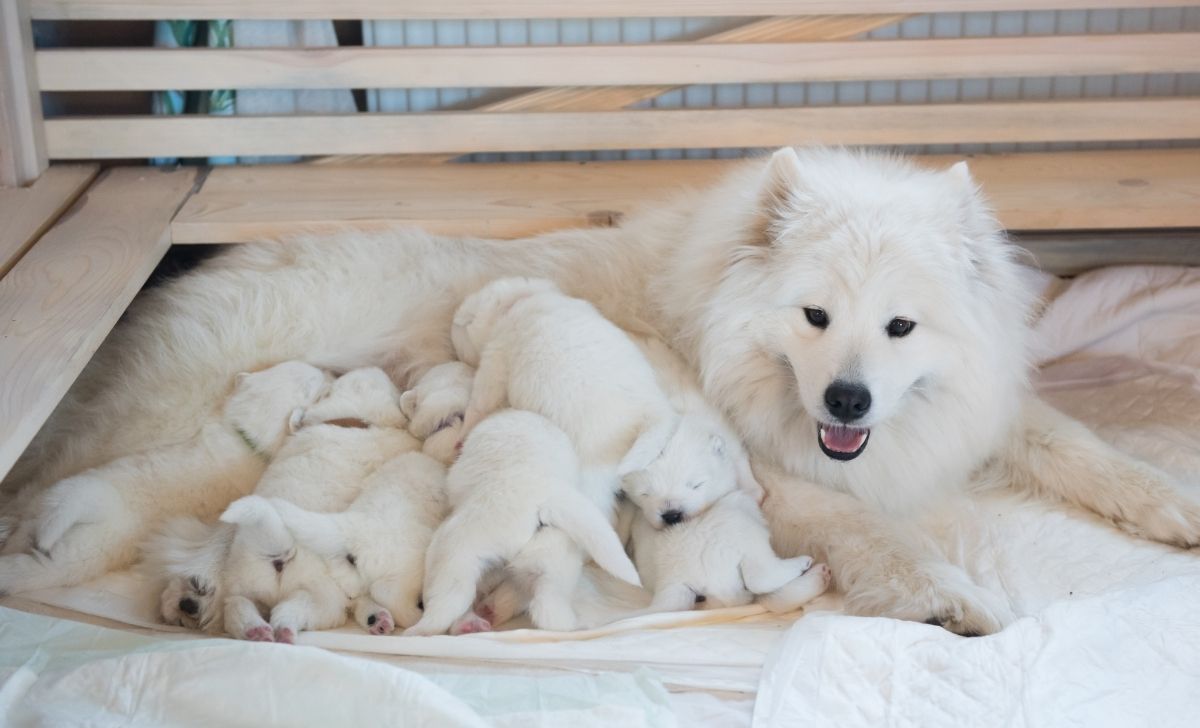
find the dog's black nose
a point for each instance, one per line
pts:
(672, 517)
(847, 401)
(188, 606)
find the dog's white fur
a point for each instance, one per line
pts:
(95, 521)
(435, 407)
(249, 563)
(516, 500)
(376, 548)
(720, 274)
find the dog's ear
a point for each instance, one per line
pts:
(648, 446)
(408, 403)
(780, 181)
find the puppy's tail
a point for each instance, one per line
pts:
(318, 532)
(579, 518)
(261, 522)
(71, 502)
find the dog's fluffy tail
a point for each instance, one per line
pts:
(579, 518)
(318, 532)
(263, 524)
(70, 502)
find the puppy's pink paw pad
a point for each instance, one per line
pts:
(471, 625)
(381, 622)
(261, 633)
(486, 613)
(822, 571)
(285, 635)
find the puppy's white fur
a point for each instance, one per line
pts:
(723, 275)
(435, 407)
(376, 548)
(93, 522)
(515, 500)
(259, 569)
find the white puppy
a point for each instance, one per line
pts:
(376, 548)
(249, 565)
(516, 500)
(435, 407)
(93, 522)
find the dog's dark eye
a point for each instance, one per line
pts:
(900, 327)
(816, 316)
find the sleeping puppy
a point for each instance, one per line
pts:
(435, 408)
(515, 500)
(700, 537)
(226, 576)
(91, 523)
(375, 549)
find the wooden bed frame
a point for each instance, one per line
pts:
(77, 243)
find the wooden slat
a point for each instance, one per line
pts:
(1037, 121)
(87, 69)
(1047, 191)
(62, 298)
(27, 212)
(468, 9)
(22, 143)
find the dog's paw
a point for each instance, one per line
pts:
(470, 624)
(259, 633)
(1152, 508)
(285, 636)
(934, 593)
(380, 622)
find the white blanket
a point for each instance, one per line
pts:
(1109, 639)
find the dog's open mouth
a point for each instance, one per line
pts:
(841, 442)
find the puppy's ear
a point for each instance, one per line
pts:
(295, 420)
(408, 403)
(648, 446)
(717, 443)
(780, 182)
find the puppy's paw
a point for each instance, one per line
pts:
(380, 622)
(259, 633)
(285, 636)
(804, 563)
(470, 624)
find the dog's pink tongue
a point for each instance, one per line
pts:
(843, 439)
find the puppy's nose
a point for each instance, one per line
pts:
(188, 606)
(672, 517)
(847, 401)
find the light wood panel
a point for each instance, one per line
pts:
(1046, 191)
(88, 69)
(27, 212)
(22, 143)
(466, 9)
(202, 136)
(61, 299)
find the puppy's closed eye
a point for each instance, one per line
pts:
(696, 485)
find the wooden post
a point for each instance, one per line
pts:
(22, 141)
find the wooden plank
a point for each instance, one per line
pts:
(1075, 253)
(121, 69)
(22, 143)
(27, 212)
(61, 299)
(469, 9)
(1045, 191)
(1023, 121)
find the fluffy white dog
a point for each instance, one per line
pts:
(375, 548)
(795, 288)
(516, 501)
(435, 407)
(93, 522)
(249, 564)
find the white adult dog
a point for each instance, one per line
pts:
(516, 501)
(796, 272)
(95, 521)
(375, 548)
(249, 564)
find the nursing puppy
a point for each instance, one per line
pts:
(249, 565)
(94, 522)
(435, 407)
(515, 499)
(375, 549)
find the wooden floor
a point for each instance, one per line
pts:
(76, 247)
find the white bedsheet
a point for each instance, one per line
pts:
(1110, 638)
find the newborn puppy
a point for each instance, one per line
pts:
(515, 500)
(226, 576)
(91, 523)
(375, 549)
(435, 408)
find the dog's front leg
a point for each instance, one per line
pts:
(1057, 457)
(881, 568)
